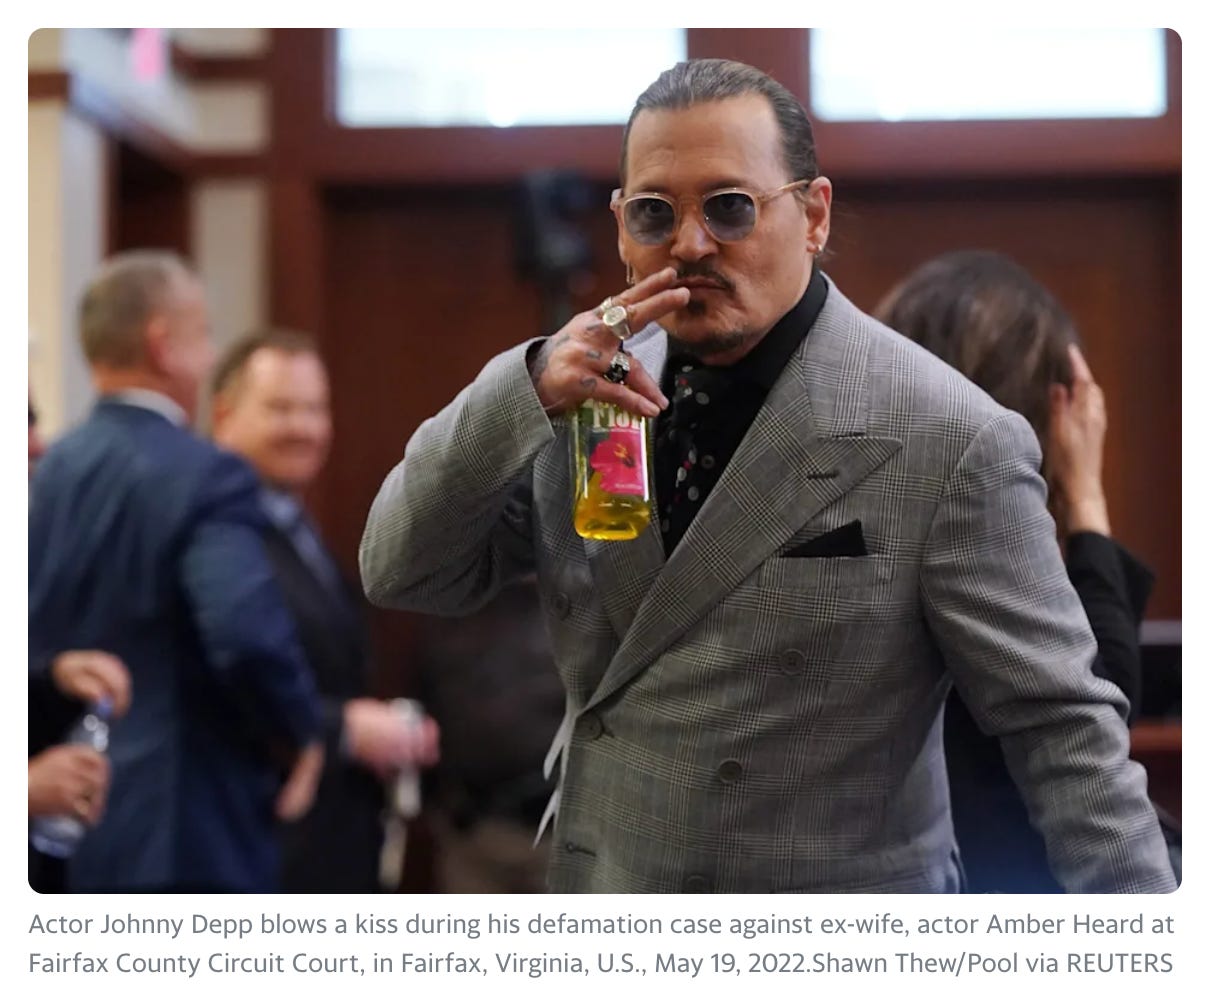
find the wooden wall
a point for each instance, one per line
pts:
(149, 205)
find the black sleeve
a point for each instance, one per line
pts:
(248, 637)
(1113, 587)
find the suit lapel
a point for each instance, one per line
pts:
(806, 448)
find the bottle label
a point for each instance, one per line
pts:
(606, 416)
(617, 451)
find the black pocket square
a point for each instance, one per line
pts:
(846, 541)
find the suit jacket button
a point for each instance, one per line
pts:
(729, 771)
(561, 605)
(696, 883)
(792, 662)
(590, 726)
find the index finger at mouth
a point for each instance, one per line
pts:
(658, 305)
(648, 286)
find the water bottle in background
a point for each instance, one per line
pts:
(406, 800)
(58, 836)
(404, 804)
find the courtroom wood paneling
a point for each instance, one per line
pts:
(49, 84)
(420, 294)
(296, 279)
(420, 291)
(150, 203)
(210, 68)
(780, 52)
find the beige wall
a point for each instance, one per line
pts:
(66, 242)
(229, 249)
(223, 41)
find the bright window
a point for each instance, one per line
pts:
(947, 74)
(432, 77)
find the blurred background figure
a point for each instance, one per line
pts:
(67, 779)
(986, 316)
(490, 681)
(271, 406)
(144, 543)
(36, 446)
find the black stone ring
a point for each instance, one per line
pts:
(618, 369)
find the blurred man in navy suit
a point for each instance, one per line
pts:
(66, 779)
(146, 543)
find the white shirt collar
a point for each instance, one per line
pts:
(141, 397)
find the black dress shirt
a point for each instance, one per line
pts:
(692, 447)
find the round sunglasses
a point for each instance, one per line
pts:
(730, 215)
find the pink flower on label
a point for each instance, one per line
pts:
(617, 459)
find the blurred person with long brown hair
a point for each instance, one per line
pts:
(989, 318)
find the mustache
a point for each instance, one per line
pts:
(703, 272)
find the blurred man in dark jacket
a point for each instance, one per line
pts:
(271, 407)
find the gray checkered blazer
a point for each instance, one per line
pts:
(742, 721)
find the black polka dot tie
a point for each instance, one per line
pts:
(697, 395)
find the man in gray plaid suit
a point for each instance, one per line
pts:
(755, 687)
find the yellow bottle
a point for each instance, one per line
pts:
(611, 451)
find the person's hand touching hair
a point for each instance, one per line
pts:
(1077, 429)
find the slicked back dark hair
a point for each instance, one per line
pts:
(701, 81)
(985, 315)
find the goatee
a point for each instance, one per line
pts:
(712, 344)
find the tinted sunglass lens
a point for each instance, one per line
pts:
(650, 220)
(730, 215)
